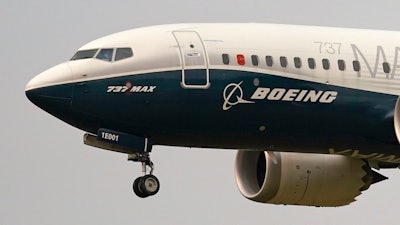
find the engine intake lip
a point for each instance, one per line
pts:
(247, 171)
(397, 119)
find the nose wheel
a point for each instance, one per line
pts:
(148, 184)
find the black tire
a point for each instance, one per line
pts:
(136, 188)
(149, 185)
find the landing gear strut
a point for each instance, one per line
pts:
(148, 184)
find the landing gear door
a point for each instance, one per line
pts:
(194, 60)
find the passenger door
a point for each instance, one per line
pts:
(194, 60)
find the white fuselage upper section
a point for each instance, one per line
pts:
(368, 58)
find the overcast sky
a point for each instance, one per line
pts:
(47, 174)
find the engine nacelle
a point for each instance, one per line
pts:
(301, 179)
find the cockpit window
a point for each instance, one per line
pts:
(84, 54)
(105, 54)
(123, 53)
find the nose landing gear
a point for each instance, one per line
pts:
(148, 184)
(138, 149)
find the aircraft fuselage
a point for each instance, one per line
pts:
(236, 86)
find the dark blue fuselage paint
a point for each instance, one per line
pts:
(156, 106)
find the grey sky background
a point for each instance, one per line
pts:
(47, 175)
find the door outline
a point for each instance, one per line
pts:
(193, 51)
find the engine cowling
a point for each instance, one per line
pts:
(301, 179)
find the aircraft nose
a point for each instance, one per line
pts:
(51, 90)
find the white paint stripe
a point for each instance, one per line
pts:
(145, 144)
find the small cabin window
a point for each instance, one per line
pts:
(225, 59)
(254, 60)
(386, 67)
(105, 54)
(356, 65)
(297, 62)
(283, 61)
(325, 64)
(341, 65)
(123, 53)
(311, 63)
(268, 60)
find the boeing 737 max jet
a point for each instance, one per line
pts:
(313, 111)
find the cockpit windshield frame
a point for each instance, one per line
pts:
(104, 54)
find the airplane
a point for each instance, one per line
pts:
(313, 112)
